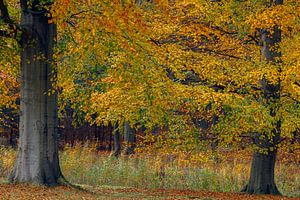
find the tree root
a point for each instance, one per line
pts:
(270, 189)
(64, 182)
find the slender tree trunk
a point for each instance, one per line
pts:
(117, 141)
(37, 160)
(130, 139)
(263, 164)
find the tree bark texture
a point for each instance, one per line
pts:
(262, 174)
(37, 160)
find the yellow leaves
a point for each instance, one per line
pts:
(118, 104)
(290, 75)
(290, 81)
(109, 79)
(289, 112)
(286, 17)
(165, 64)
(290, 47)
(8, 156)
(8, 89)
(9, 73)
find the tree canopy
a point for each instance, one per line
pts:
(177, 62)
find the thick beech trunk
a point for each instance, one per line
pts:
(37, 160)
(262, 168)
(262, 174)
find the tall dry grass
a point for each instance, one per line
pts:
(82, 164)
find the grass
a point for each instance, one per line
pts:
(83, 165)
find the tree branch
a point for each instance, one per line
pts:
(195, 20)
(4, 33)
(12, 26)
(174, 39)
(292, 98)
(24, 5)
(4, 13)
(201, 50)
(81, 12)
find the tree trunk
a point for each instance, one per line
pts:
(117, 141)
(262, 174)
(37, 160)
(130, 139)
(262, 168)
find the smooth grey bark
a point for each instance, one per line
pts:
(130, 139)
(263, 164)
(117, 141)
(37, 160)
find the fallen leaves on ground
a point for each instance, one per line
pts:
(18, 192)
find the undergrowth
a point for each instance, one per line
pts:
(84, 165)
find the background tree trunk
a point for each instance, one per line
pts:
(117, 141)
(130, 139)
(37, 160)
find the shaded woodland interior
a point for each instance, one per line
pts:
(68, 134)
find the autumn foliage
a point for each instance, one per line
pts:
(174, 64)
(190, 76)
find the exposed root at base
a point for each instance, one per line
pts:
(64, 182)
(271, 189)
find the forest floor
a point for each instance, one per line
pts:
(24, 192)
